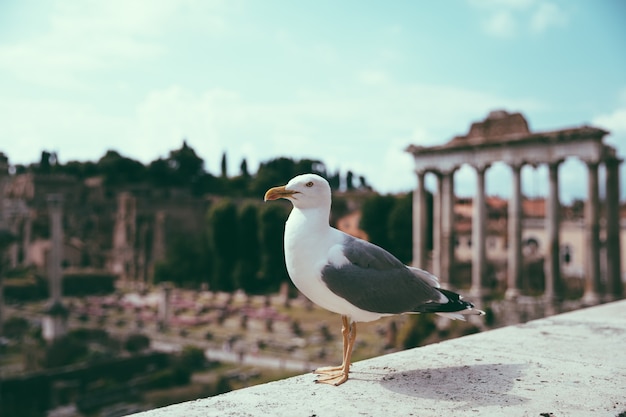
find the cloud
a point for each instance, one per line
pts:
(422, 137)
(501, 24)
(173, 114)
(361, 127)
(372, 77)
(73, 129)
(614, 121)
(398, 168)
(511, 4)
(511, 18)
(365, 132)
(545, 16)
(87, 36)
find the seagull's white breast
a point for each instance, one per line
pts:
(310, 244)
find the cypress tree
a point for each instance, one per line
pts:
(272, 229)
(400, 227)
(224, 166)
(224, 244)
(247, 271)
(374, 218)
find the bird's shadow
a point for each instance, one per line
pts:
(479, 384)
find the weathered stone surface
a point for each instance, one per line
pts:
(573, 364)
(498, 126)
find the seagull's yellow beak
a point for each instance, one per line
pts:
(278, 192)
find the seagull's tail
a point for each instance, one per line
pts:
(455, 308)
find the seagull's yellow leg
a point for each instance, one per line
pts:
(345, 331)
(341, 376)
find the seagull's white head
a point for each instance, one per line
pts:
(304, 191)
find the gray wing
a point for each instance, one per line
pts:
(375, 280)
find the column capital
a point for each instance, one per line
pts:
(517, 165)
(613, 160)
(591, 163)
(447, 172)
(555, 163)
(481, 168)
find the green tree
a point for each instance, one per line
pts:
(349, 181)
(118, 170)
(248, 264)
(191, 359)
(15, 327)
(187, 261)
(186, 165)
(280, 170)
(136, 343)
(239, 185)
(223, 385)
(182, 168)
(375, 218)
(80, 169)
(45, 164)
(65, 351)
(272, 229)
(207, 183)
(363, 183)
(160, 174)
(400, 228)
(224, 166)
(334, 181)
(243, 168)
(274, 172)
(224, 244)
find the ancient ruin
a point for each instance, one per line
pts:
(54, 324)
(506, 137)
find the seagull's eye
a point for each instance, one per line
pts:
(309, 184)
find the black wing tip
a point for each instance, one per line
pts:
(455, 304)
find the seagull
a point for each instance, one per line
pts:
(352, 277)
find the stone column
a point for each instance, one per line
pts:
(615, 288)
(419, 222)
(54, 323)
(158, 244)
(28, 230)
(6, 237)
(479, 234)
(447, 226)
(592, 237)
(514, 267)
(437, 204)
(552, 266)
(55, 202)
(165, 307)
(14, 248)
(1, 292)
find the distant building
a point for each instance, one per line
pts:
(124, 229)
(534, 236)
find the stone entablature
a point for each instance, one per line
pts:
(482, 146)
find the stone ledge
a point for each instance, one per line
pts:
(572, 364)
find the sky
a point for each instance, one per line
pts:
(351, 83)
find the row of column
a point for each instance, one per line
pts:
(443, 231)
